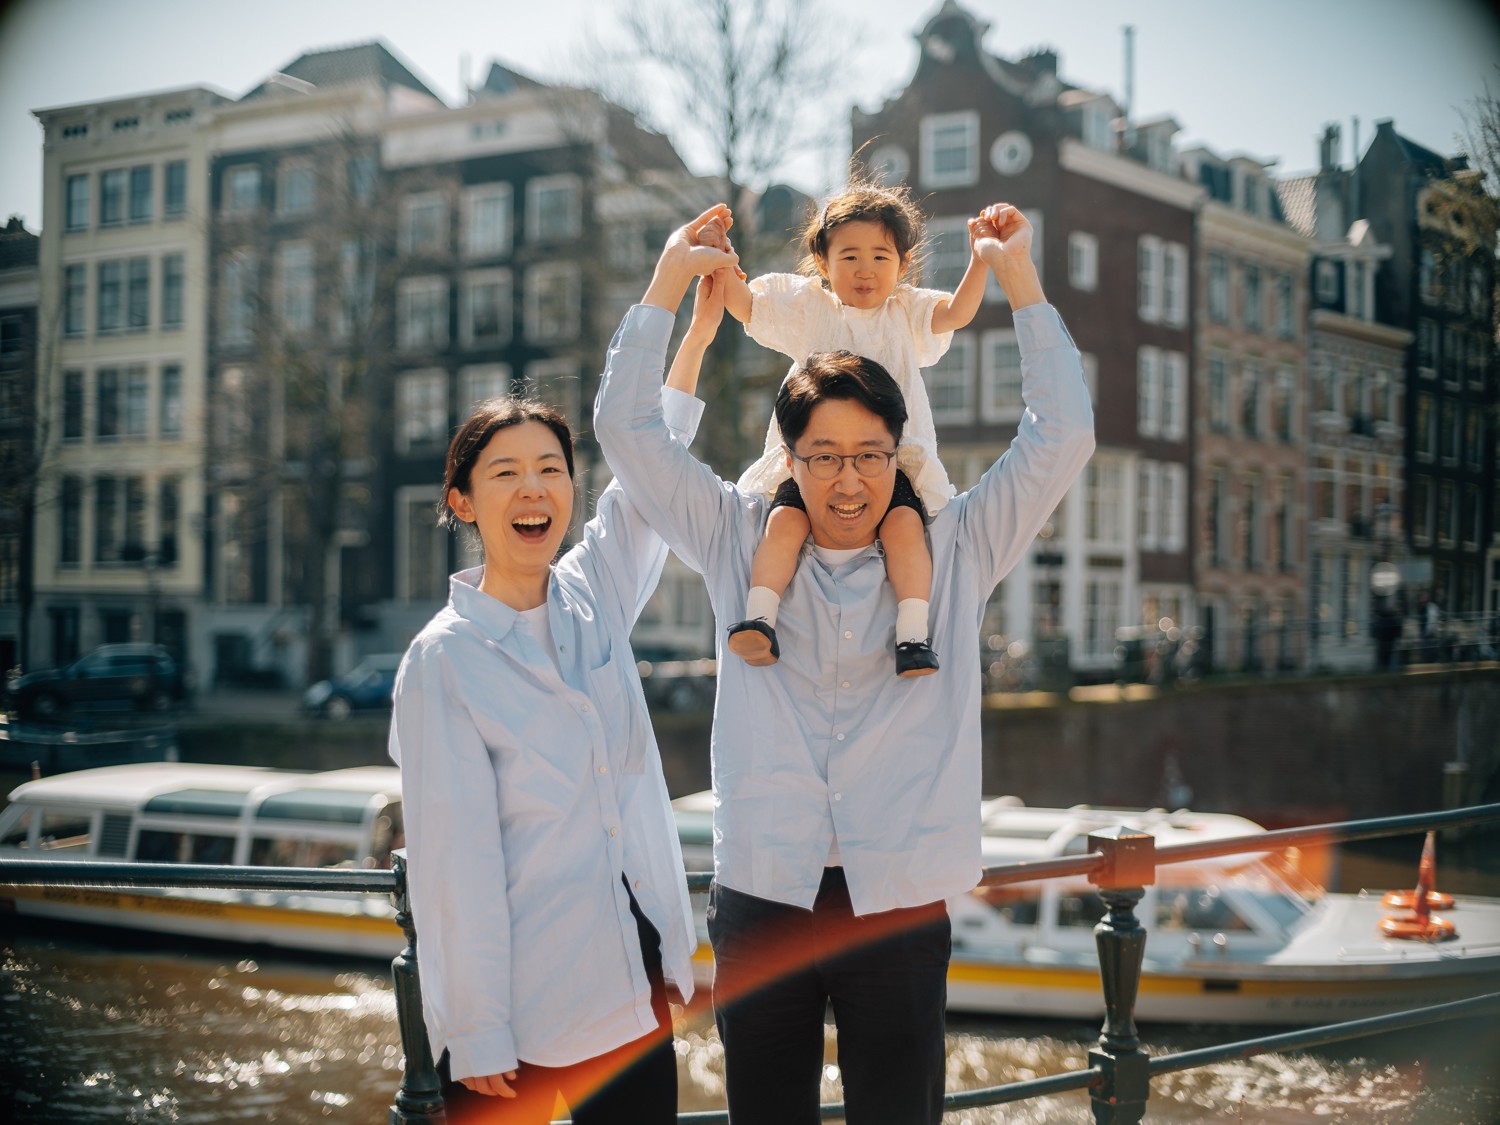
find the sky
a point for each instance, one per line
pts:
(1260, 79)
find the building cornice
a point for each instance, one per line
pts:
(1077, 157)
(1386, 335)
(1246, 230)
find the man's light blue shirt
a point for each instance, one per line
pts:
(531, 784)
(829, 744)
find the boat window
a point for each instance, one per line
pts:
(389, 834)
(157, 846)
(1018, 907)
(17, 831)
(1081, 908)
(1285, 910)
(1196, 908)
(198, 802)
(280, 851)
(64, 831)
(324, 806)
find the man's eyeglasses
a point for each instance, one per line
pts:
(826, 466)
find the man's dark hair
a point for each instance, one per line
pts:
(838, 375)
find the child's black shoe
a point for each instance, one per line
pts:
(915, 658)
(754, 642)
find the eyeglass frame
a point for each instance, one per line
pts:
(888, 454)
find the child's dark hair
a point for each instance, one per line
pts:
(482, 424)
(865, 200)
(838, 375)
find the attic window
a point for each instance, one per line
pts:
(75, 132)
(177, 116)
(126, 124)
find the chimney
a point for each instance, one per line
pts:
(1328, 149)
(1129, 106)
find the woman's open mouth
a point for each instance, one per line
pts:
(533, 529)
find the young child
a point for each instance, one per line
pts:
(851, 295)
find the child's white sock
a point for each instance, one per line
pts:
(911, 620)
(764, 602)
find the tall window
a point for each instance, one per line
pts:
(422, 397)
(1253, 314)
(359, 174)
(354, 302)
(552, 302)
(297, 286)
(107, 403)
(141, 209)
(1000, 377)
(1083, 261)
(422, 565)
(1218, 393)
(106, 520)
(1253, 549)
(240, 283)
(1173, 508)
(1101, 615)
(1250, 379)
(1104, 504)
(950, 149)
(242, 189)
(1284, 291)
(138, 294)
(168, 508)
(75, 300)
(554, 208)
(174, 189)
(70, 522)
(424, 226)
(487, 220)
(72, 406)
(1148, 391)
(1285, 407)
(1148, 278)
(1218, 288)
(1217, 516)
(481, 382)
(947, 254)
(77, 207)
(111, 310)
(1174, 278)
(422, 308)
(297, 192)
(137, 403)
(169, 412)
(171, 291)
(1174, 384)
(485, 319)
(1146, 498)
(950, 381)
(112, 197)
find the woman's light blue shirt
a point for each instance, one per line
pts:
(530, 786)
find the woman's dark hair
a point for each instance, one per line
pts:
(865, 200)
(483, 423)
(838, 375)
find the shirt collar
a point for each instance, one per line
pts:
(494, 617)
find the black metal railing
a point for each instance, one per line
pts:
(1121, 863)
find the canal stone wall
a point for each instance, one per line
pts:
(1281, 752)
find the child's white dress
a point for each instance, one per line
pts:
(796, 316)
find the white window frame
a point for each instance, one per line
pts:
(1218, 288)
(538, 280)
(1146, 498)
(995, 405)
(1174, 285)
(478, 242)
(1148, 364)
(572, 225)
(421, 409)
(229, 204)
(1174, 395)
(954, 372)
(559, 382)
(284, 176)
(935, 128)
(1103, 614)
(407, 497)
(471, 281)
(1104, 504)
(430, 293)
(1083, 261)
(411, 206)
(297, 293)
(1148, 278)
(1172, 504)
(946, 255)
(1090, 364)
(479, 382)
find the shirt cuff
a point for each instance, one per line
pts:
(681, 411)
(479, 1056)
(645, 326)
(1039, 327)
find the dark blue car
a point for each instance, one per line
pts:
(365, 687)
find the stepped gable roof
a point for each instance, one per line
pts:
(1299, 201)
(18, 246)
(1418, 155)
(507, 80)
(347, 66)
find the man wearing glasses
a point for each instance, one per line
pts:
(846, 804)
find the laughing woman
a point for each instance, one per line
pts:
(546, 876)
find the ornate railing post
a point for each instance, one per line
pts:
(1129, 868)
(419, 1101)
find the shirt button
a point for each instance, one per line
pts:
(844, 684)
(637, 884)
(848, 634)
(841, 737)
(614, 831)
(585, 707)
(838, 796)
(603, 769)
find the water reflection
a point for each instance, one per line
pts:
(90, 1034)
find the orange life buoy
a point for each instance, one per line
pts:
(1412, 927)
(1404, 900)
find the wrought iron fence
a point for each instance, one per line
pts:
(1121, 863)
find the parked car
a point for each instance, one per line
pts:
(112, 676)
(365, 687)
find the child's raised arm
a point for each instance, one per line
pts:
(734, 290)
(959, 309)
(708, 311)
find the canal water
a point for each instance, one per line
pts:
(131, 1033)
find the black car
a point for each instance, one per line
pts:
(142, 676)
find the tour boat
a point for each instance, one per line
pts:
(170, 812)
(1244, 939)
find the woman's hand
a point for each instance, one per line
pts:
(493, 1085)
(687, 255)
